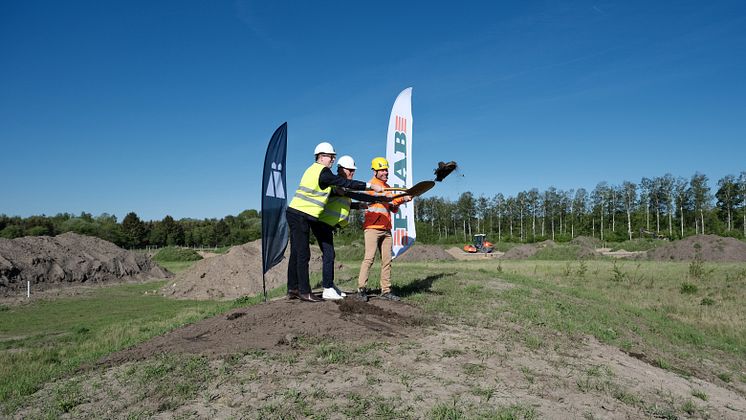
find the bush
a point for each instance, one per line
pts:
(177, 254)
(707, 301)
(688, 289)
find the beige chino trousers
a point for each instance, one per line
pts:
(376, 240)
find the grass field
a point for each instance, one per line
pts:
(687, 318)
(46, 339)
(677, 314)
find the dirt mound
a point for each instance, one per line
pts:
(587, 242)
(425, 253)
(232, 275)
(280, 324)
(461, 255)
(49, 262)
(704, 247)
(528, 250)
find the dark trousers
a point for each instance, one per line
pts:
(300, 227)
(325, 236)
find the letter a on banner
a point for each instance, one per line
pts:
(274, 202)
(399, 155)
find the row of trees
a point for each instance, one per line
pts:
(668, 206)
(135, 233)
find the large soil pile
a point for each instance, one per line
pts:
(425, 253)
(528, 250)
(704, 247)
(232, 275)
(280, 323)
(49, 262)
(587, 242)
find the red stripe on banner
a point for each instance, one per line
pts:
(404, 129)
(400, 237)
(398, 123)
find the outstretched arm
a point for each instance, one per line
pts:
(369, 198)
(327, 179)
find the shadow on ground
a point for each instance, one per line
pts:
(420, 285)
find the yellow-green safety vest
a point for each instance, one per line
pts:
(337, 211)
(309, 197)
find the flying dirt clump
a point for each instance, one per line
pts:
(69, 259)
(703, 247)
(235, 274)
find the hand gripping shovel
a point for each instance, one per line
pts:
(416, 190)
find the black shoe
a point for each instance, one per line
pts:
(310, 297)
(293, 294)
(362, 295)
(390, 296)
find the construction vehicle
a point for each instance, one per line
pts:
(480, 244)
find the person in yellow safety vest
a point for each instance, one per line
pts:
(336, 215)
(377, 233)
(303, 217)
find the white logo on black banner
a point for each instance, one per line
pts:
(274, 187)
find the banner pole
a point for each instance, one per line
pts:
(264, 288)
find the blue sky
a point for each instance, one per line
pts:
(166, 108)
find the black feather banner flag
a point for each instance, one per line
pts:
(274, 202)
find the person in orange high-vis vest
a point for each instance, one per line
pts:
(377, 233)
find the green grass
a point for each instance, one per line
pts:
(699, 394)
(173, 253)
(170, 379)
(48, 339)
(633, 305)
(559, 252)
(352, 252)
(176, 266)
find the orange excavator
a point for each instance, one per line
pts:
(480, 244)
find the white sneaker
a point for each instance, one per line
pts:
(339, 292)
(330, 294)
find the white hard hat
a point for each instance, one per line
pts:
(346, 162)
(324, 147)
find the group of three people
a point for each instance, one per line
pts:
(322, 204)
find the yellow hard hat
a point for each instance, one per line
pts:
(379, 163)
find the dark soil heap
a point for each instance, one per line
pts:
(67, 259)
(587, 242)
(528, 250)
(235, 274)
(703, 247)
(279, 324)
(425, 253)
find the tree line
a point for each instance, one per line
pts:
(661, 207)
(664, 206)
(133, 232)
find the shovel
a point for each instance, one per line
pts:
(415, 190)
